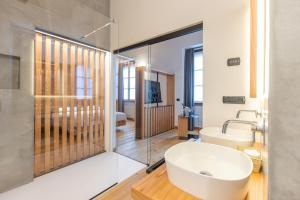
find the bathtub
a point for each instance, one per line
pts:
(208, 171)
(232, 138)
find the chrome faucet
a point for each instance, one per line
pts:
(240, 111)
(252, 123)
(226, 123)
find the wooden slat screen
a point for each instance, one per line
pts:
(158, 119)
(69, 103)
(253, 48)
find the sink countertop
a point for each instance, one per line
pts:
(156, 186)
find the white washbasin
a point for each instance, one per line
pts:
(208, 171)
(232, 138)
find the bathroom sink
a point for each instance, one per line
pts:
(232, 138)
(209, 171)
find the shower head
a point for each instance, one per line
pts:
(98, 29)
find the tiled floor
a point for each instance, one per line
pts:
(80, 181)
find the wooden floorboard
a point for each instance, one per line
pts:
(129, 146)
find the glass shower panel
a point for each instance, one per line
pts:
(69, 102)
(52, 88)
(132, 121)
(162, 134)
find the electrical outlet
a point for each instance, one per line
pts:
(233, 61)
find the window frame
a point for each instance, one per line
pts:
(129, 87)
(84, 76)
(198, 50)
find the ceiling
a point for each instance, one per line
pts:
(166, 56)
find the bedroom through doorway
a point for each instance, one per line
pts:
(157, 82)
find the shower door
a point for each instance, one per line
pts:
(53, 95)
(132, 71)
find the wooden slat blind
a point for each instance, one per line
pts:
(158, 119)
(101, 94)
(72, 104)
(92, 103)
(253, 48)
(57, 84)
(85, 109)
(69, 103)
(38, 164)
(47, 104)
(79, 110)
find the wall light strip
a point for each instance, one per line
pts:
(124, 57)
(69, 40)
(63, 96)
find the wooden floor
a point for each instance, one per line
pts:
(128, 146)
(124, 190)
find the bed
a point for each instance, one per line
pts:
(120, 119)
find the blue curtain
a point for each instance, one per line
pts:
(189, 83)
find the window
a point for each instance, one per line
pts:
(129, 82)
(198, 76)
(80, 75)
(117, 82)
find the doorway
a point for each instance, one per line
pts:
(160, 88)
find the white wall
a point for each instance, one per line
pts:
(284, 134)
(225, 34)
(168, 57)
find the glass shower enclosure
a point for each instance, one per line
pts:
(54, 91)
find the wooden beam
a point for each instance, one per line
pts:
(79, 142)
(72, 109)
(102, 97)
(57, 92)
(96, 102)
(253, 48)
(170, 90)
(91, 105)
(38, 167)
(65, 155)
(85, 104)
(139, 103)
(47, 112)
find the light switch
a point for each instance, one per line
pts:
(234, 99)
(233, 61)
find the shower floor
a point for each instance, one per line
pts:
(82, 180)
